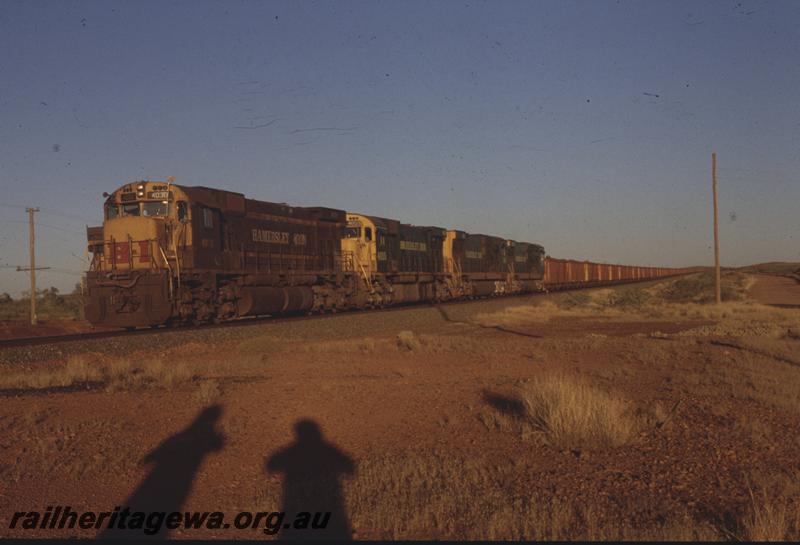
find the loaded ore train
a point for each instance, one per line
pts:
(169, 254)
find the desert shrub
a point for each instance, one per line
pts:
(573, 413)
(689, 288)
(574, 300)
(699, 288)
(50, 304)
(629, 298)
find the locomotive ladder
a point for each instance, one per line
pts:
(511, 282)
(367, 279)
(455, 280)
(351, 262)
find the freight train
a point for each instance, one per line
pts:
(169, 254)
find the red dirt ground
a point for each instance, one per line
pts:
(45, 328)
(437, 452)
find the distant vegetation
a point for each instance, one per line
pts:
(696, 288)
(783, 268)
(699, 288)
(50, 304)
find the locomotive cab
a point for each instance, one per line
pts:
(143, 224)
(370, 243)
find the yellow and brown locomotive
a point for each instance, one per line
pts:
(169, 253)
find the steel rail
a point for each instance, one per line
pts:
(91, 335)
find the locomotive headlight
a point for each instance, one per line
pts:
(141, 186)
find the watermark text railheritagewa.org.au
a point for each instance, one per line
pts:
(123, 519)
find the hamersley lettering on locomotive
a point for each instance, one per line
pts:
(410, 245)
(278, 237)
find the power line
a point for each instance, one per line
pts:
(39, 224)
(53, 212)
(60, 270)
(64, 271)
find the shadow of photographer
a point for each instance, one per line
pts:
(312, 469)
(175, 464)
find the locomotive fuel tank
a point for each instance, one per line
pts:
(261, 300)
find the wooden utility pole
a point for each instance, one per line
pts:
(32, 250)
(33, 268)
(717, 277)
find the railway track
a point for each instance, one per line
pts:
(92, 335)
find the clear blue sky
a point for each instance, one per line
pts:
(585, 126)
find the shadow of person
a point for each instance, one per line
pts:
(312, 468)
(165, 489)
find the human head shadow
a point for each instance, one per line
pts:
(175, 463)
(312, 469)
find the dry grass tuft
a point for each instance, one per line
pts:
(406, 340)
(157, 373)
(166, 374)
(774, 508)
(208, 392)
(115, 376)
(768, 520)
(77, 370)
(573, 413)
(568, 412)
(366, 345)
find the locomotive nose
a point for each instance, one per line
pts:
(133, 242)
